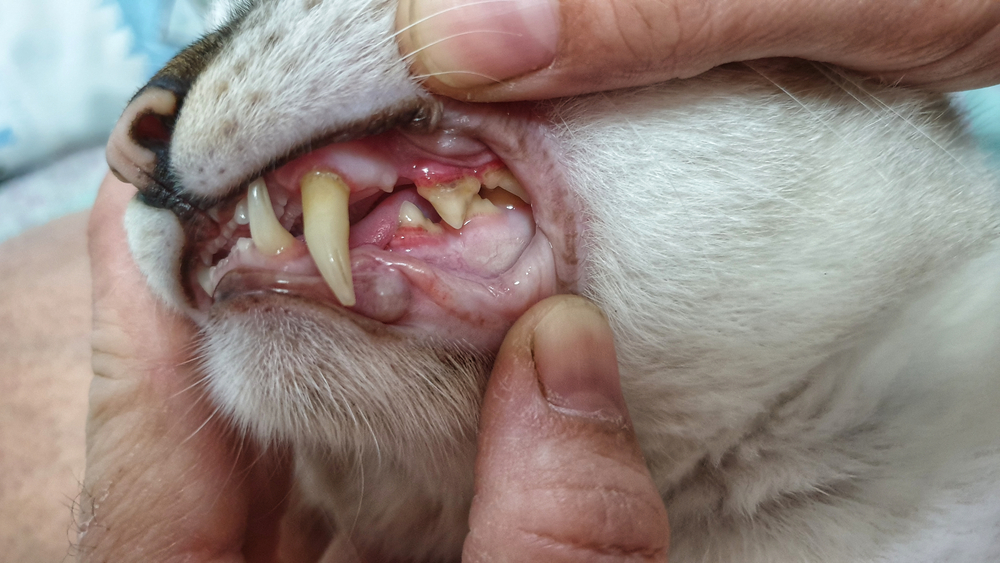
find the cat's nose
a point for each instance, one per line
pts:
(142, 136)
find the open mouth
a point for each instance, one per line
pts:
(426, 232)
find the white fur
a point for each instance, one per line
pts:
(293, 72)
(802, 275)
(156, 240)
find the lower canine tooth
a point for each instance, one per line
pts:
(268, 235)
(451, 200)
(327, 226)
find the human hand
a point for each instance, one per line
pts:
(166, 479)
(503, 50)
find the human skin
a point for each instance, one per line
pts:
(503, 50)
(44, 374)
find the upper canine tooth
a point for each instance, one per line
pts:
(411, 216)
(503, 178)
(327, 226)
(268, 235)
(451, 200)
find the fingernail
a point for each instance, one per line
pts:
(574, 355)
(468, 43)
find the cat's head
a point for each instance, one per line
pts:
(739, 229)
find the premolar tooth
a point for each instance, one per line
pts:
(503, 178)
(267, 233)
(451, 200)
(480, 206)
(411, 216)
(327, 226)
(205, 279)
(242, 213)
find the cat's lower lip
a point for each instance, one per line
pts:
(248, 289)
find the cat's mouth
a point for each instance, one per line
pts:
(427, 232)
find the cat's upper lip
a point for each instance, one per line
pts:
(439, 300)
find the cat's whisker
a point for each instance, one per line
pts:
(450, 37)
(199, 382)
(378, 446)
(442, 73)
(825, 68)
(361, 493)
(199, 429)
(672, 187)
(826, 125)
(444, 11)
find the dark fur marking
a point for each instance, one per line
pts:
(221, 87)
(270, 41)
(229, 127)
(240, 68)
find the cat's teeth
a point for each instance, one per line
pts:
(268, 235)
(411, 216)
(242, 213)
(480, 206)
(452, 200)
(205, 279)
(505, 180)
(327, 226)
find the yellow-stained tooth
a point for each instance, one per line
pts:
(327, 226)
(503, 178)
(481, 206)
(411, 216)
(452, 200)
(268, 235)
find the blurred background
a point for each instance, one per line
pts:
(68, 68)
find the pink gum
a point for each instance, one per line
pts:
(385, 161)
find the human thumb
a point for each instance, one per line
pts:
(559, 475)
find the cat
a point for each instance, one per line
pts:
(801, 269)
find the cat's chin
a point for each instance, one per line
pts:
(288, 370)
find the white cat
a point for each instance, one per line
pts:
(802, 272)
